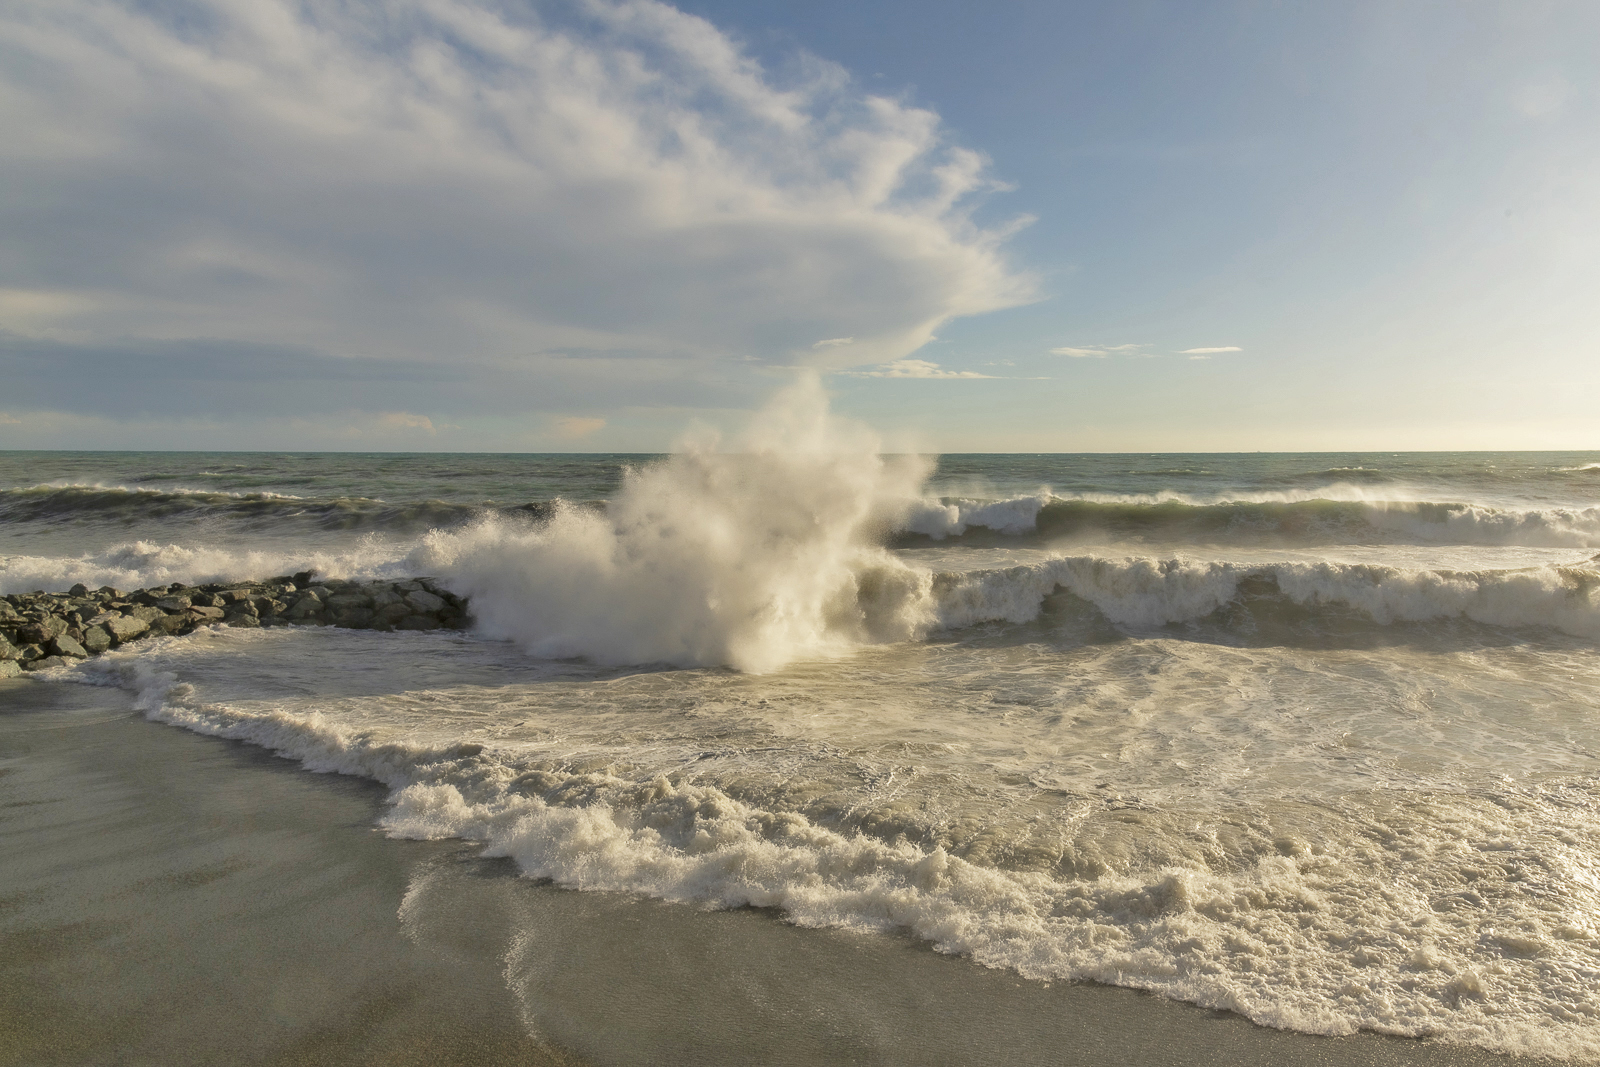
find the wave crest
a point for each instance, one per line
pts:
(1278, 518)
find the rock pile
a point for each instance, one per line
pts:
(39, 630)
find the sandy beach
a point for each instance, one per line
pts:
(170, 899)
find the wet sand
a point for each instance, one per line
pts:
(173, 899)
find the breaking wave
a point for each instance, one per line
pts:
(1313, 928)
(1144, 594)
(55, 504)
(1277, 519)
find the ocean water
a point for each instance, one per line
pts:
(1311, 738)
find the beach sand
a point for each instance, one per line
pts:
(168, 898)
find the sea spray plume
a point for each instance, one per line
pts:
(749, 558)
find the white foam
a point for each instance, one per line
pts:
(1344, 933)
(142, 564)
(749, 560)
(1143, 592)
(938, 520)
(147, 490)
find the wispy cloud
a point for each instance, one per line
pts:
(574, 427)
(405, 420)
(473, 185)
(915, 368)
(1096, 351)
(1209, 351)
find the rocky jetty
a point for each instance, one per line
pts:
(39, 630)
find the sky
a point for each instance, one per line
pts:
(585, 225)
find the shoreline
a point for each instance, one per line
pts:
(203, 893)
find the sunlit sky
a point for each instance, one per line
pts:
(585, 226)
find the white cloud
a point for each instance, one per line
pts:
(915, 368)
(405, 420)
(575, 427)
(1097, 351)
(464, 183)
(1209, 351)
(835, 342)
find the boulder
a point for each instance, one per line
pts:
(170, 624)
(44, 663)
(146, 612)
(125, 627)
(201, 615)
(173, 603)
(424, 602)
(9, 668)
(45, 629)
(96, 640)
(67, 647)
(353, 618)
(392, 612)
(417, 622)
(8, 651)
(342, 602)
(241, 620)
(79, 590)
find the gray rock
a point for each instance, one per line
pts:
(43, 630)
(44, 663)
(66, 646)
(96, 640)
(241, 620)
(9, 668)
(353, 619)
(170, 624)
(125, 627)
(425, 602)
(203, 615)
(392, 611)
(79, 590)
(30, 652)
(110, 591)
(417, 622)
(206, 600)
(145, 612)
(173, 603)
(8, 651)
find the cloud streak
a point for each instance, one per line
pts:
(1209, 351)
(1097, 351)
(915, 368)
(457, 184)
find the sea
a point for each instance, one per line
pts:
(1310, 738)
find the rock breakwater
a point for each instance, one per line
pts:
(40, 630)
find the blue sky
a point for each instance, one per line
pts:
(452, 224)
